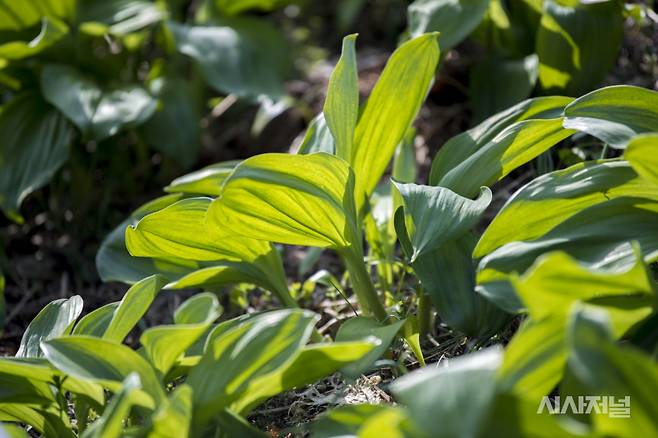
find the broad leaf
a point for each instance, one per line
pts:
(614, 114)
(95, 323)
(293, 199)
(166, 343)
(318, 138)
(22, 15)
(455, 19)
(132, 307)
(607, 370)
(363, 420)
(198, 309)
(98, 112)
(391, 109)
(436, 215)
(46, 419)
(207, 181)
(235, 7)
(249, 349)
(179, 231)
(245, 56)
(598, 236)
(577, 44)
(114, 262)
(308, 366)
(462, 146)
(104, 362)
(554, 197)
(466, 386)
(549, 290)
(56, 319)
(35, 144)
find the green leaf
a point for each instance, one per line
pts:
(608, 370)
(35, 144)
(114, 262)
(341, 107)
(118, 17)
(554, 197)
(362, 328)
(110, 424)
(172, 419)
(391, 109)
(577, 44)
(166, 343)
(309, 200)
(515, 146)
(437, 215)
(47, 419)
(486, 144)
(106, 363)
(447, 275)
(466, 386)
(132, 307)
(454, 19)
(179, 231)
(98, 112)
(22, 15)
(95, 323)
(318, 138)
(241, 56)
(309, 365)
(174, 128)
(235, 7)
(549, 290)
(496, 84)
(363, 420)
(39, 375)
(249, 349)
(56, 319)
(198, 309)
(51, 31)
(598, 236)
(614, 114)
(641, 153)
(207, 181)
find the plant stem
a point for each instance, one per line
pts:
(424, 314)
(362, 284)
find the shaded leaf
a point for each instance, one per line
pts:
(98, 112)
(55, 319)
(35, 144)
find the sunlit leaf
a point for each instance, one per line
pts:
(614, 114)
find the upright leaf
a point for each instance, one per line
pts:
(110, 424)
(56, 319)
(132, 307)
(341, 107)
(391, 109)
(577, 43)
